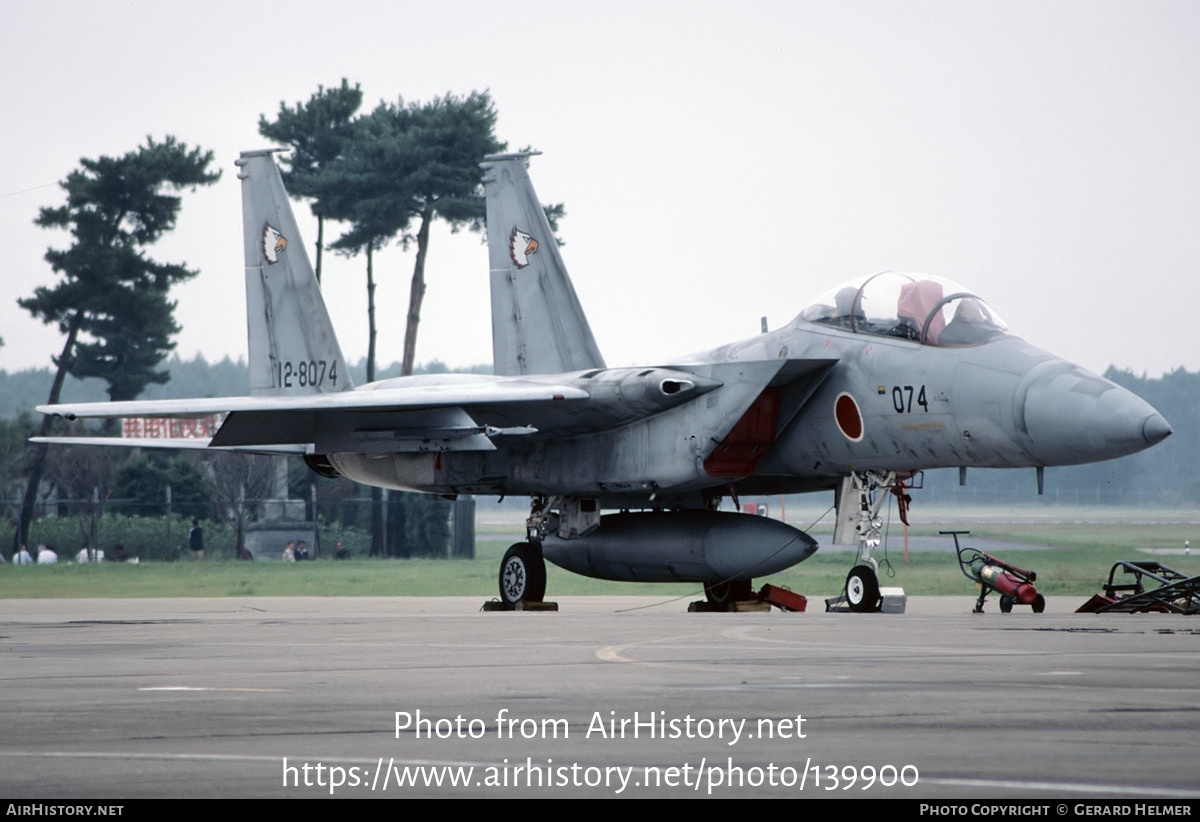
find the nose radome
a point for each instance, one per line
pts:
(1072, 417)
(1155, 429)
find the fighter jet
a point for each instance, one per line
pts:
(877, 380)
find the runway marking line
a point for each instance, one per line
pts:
(612, 653)
(201, 688)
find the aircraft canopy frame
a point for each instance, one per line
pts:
(917, 307)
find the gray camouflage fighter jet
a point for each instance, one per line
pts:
(879, 378)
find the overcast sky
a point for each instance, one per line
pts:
(718, 161)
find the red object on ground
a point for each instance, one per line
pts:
(783, 598)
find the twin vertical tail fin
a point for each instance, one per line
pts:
(293, 349)
(538, 326)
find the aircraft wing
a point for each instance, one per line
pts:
(365, 399)
(426, 416)
(459, 412)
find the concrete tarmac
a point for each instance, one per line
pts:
(610, 696)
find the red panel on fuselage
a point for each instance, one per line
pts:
(747, 442)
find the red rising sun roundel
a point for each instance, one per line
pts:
(849, 418)
(520, 247)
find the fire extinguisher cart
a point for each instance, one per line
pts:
(1013, 584)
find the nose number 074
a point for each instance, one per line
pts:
(903, 398)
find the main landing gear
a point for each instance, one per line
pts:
(523, 569)
(522, 574)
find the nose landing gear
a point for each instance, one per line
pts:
(862, 593)
(862, 589)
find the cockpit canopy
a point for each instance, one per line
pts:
(918, 307)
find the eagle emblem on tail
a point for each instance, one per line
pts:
(273, 243)
(520, 247)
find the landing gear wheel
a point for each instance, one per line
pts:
(862, 589)
(1006, 604)
(723, 593)
(522, 574)
(1038, 604)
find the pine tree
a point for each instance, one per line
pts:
(112, 301)
(317, 133)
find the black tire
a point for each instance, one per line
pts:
(1039, 604)
(1006, 604)
(522, 574)
(723, 593)
(862, 589)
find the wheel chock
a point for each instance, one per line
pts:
(497, 605)
(895, 601)
(750, 606)
(536, 606)
(892, 601)
(703, 606)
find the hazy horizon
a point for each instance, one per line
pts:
(719, 162)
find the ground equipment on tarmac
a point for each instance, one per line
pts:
(783, 599)
(1013, 584)
(1173, 593)
(740, 597)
